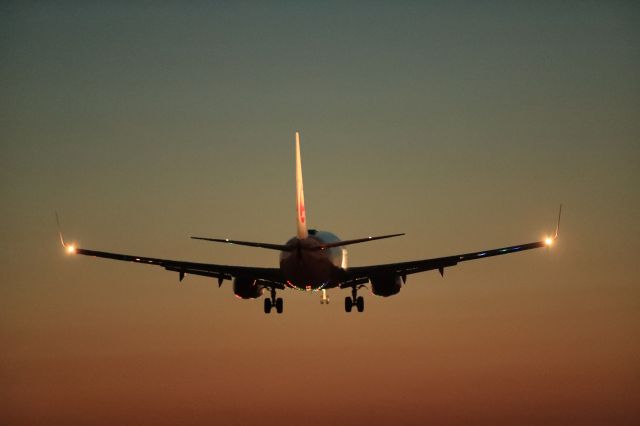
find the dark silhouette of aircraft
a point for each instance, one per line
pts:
(313, 260)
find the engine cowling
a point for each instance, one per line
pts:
(247, 288)
(385, 285)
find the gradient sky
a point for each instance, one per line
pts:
(463, 124)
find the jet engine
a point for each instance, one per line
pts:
(385, 285)
(247, 288)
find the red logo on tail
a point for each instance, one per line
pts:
(301, 213)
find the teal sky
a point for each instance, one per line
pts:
(462, 124)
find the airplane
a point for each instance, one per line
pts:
(311, 261)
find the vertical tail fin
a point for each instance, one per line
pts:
(302, 218)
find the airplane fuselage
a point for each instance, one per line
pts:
(311, 268)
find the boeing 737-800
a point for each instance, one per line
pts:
(311, 261)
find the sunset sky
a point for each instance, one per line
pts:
(462, 124)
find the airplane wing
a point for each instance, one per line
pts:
(268, 277)
(362, 274)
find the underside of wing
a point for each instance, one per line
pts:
(387, 279)
(412, 267)
(268, 277)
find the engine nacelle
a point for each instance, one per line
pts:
(247, 288)
(385, 285)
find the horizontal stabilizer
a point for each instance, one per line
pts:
(285, 247)
(357, 241)
(280, 247)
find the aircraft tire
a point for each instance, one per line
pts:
(279, 305)
(348, 304)
(267, 306)
(360, 303)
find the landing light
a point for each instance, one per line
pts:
(548, 241)
(71, 249)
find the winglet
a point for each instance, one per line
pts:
(558, 224)
(70, 248)
(59, 231)
(549, 240)
(301, 213)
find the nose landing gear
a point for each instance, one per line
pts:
(354, 300)
(278, 303)
(325, 297)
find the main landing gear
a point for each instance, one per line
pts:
(273, 302)
(354, 300)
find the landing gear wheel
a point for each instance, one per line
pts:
(354, 300)
(273, 302)
(348, 304)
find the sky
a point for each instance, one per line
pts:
(462, 124)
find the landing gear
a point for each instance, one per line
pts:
(348, 304)
(272, 302)
(354, 300)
